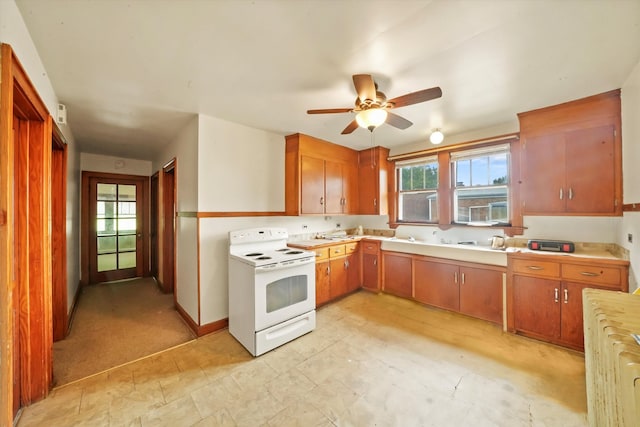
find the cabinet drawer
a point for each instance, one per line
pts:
(371, 248)
(337, 251)
(321, 254)
(351, 247)
(535, 267)
(592, 274)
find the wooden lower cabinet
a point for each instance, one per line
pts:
(337, 271)
(544, 294)
(471, 289)
(397, 270)
(370, 265)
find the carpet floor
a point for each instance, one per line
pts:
(117, 323)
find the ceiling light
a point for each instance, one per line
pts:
(436, 136)
(371, 118)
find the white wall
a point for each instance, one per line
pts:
(185, 150)
(239, 168)
(110, 164)
(186, 286)
(73, 223)
(631, 171)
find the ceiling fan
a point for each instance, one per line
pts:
(372, 106)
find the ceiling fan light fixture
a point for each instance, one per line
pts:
(371, 118)
(436, 136)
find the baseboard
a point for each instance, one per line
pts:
(204, 329)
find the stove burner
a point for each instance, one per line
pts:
(262, 258)
(293, 252)
(254, 254)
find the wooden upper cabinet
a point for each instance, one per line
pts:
(320, 177)
(373, 178)
(571, 158)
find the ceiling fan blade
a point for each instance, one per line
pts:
(397, 121)
(416, 97)
(365, 87)
(330, 110)
(350, 128)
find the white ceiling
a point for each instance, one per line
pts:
(132, 73)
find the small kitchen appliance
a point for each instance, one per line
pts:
(551, 245)
(272, 297)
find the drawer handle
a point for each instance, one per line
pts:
(535, 267)
(589, 274)
(555, 294)
(566, 296)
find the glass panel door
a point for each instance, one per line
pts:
(116, 226)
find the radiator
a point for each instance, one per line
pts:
(612, 358)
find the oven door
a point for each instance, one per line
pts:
(284, 292)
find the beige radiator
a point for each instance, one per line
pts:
(612, 358)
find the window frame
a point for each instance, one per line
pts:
(420, 161)
(445, 187)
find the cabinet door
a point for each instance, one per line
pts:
(536, 306)
(351, 204)
(437, 284)
(543, 171)
(312, 185)
(590, 170)
(571, 321)
(323, 282)
(397, 275)
(333, 188)
(353, 271)
(338, 277)
(368, 189)
(481, 293)
(370, 276)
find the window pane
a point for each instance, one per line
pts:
(106, 262)
(106, 210)
(499, 169)
(126, 192)
(126, 225)
(418, 207)
(127, 243)
(463, 173)
(106, 227)
(106, 244)
(106, 192)
(483, 205)
(480, 171)
(126, 260)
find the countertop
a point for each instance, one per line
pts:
(471, 253)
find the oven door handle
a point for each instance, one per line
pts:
(285, 265)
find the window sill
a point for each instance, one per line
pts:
(509, 230)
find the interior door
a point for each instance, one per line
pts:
(115, 228)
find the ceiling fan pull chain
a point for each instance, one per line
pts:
(373, 149)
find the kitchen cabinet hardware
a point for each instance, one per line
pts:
(555, 295)
(566, 296)
(570, 193)
(589, 274)
(535, 267)
(322, 200)
(375, 261)
(462, 278)
(561, 193)
(455, 277)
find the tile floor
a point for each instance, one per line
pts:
(374, 360)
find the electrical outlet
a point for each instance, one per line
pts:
(630, 238)
(338, 225)
(304, 227)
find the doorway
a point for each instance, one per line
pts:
(115, 226)
(168, 232)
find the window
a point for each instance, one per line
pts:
(417, 190)
(480, 182)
